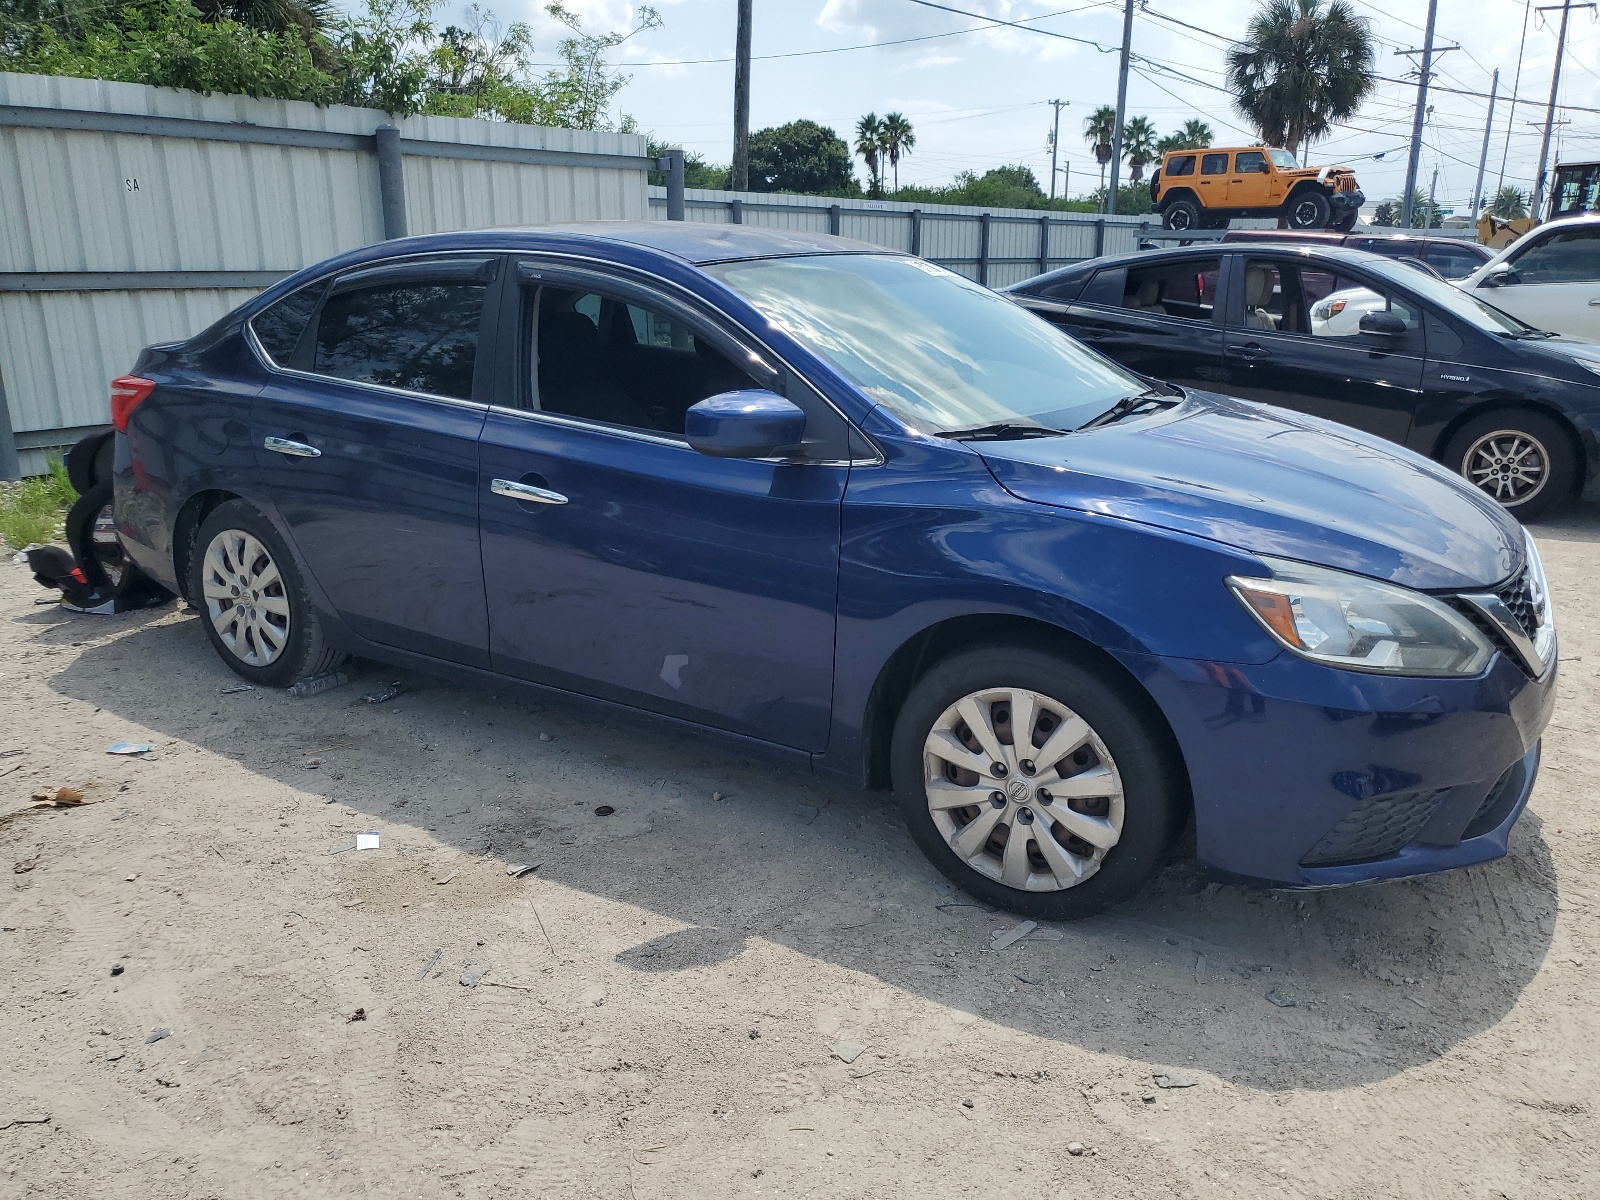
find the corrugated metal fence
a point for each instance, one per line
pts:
(995, 246)
(131, 215)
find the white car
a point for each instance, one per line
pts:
(1338, 314)
(1549, 277)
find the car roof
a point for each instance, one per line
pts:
(1333, 254)
(697, 242)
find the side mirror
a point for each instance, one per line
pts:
(1501, 276)
(1381, 321)
(751, 423)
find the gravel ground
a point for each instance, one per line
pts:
(740, 983)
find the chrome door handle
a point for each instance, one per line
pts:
(1595, 303)
(525, 491)
(280, 445)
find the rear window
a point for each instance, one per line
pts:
(1106, 287)
(422, 337)
(1453, 262)
(279, 327)
(1182, 165)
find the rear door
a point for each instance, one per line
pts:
(366, 437)
(1212, 185)
(1294, 340)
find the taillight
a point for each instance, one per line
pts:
(127, 393)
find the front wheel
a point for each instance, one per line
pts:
(1032, 784)
(1308, 210)
(1521, 459)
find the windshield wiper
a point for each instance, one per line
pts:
(1127, 406)
(1000, 431)
(1523, 335)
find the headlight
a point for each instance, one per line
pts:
(1544, 641)
(1358, 623)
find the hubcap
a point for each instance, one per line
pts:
(1512, 467)
(1049, 828)
(1305, 213)
(245, 599)
(1180, 218)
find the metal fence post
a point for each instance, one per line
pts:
(1099, 236)
(672, 164)
(983, 249)
(835, 219)
(10, 465)
(736, 211)
(1044, 244)
(916, 232)
(391, 180)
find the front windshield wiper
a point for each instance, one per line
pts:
(1127, 406)
(1000, 431)
(1524, 335)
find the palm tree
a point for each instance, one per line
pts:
(869, 144)
(1195, 135)
(1303, 64)
(1138, 145)
(1508, 204)
(1098, 130)
(898, 139)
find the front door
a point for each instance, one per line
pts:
(1556, 283)
(642, 571)
(1294, 340)
(367, 441)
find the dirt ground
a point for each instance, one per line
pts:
(666, 1007)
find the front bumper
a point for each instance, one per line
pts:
(1306, 776)
(1353, 199)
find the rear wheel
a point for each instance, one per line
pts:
(253, 600)
(1523, 460)
(1181, 214)
(1032, 784)
(1307, 210)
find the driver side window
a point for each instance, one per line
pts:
(1571, 256)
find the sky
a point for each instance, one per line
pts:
(977, 94)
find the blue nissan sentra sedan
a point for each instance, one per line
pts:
(843, 508)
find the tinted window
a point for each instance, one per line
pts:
(1183, 165)
(1571, 256)
(1187, 289)
(1453, 262)
(419, 336)
(1250, 162)
(1106, 287)
(1315, 302)
(1214, 164)
(1063, 290)
(278, 328)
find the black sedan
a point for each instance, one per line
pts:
(1356, 338)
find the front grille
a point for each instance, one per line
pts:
(1375, 828)
(1518, 596)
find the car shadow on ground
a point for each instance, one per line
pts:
(1274, 990)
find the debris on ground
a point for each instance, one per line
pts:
(130, 748)
(1015, 934)
(518, 870)
(432, 962)
(384, 696)
(446, 879)
(605, 810)
(848, 1052)
(311, 764)
(235, 689)
(1075, 1149)
(805, 813)
(318, 684)
(62, 797)
(544, 737)
(1045, 934)
(23, 866)
(1278, 998)
(966, 1103)
(116, 969)
(1172, 1079)
(367, 840)
(13, 752)
(360, 1014)
(157, 1035)
(717, 796)
(33, 1118)
(471, 979)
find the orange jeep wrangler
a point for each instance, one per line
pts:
(1207, 188)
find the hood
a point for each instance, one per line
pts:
(1273, 482)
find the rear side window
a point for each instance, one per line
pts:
(1182, 165)
(1214, 164)
(419, 336)
(1106, 288)
(279, 327)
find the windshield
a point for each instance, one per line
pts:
(1448, 296)
(1283, 160)
(939, 351)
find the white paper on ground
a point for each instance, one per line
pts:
(366, 841)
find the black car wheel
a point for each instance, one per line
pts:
(1308, 210)
(1181, 214)
(1032, 784)
(1345, 221)
(253, 600)
(1521, 459)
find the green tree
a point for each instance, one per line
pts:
(1509, 204)
(898, 139)
(1195, 135)
(697, 172)
(1387, 213)
(1099, 128)
(1138, 145)
(801, 156)
(1303, 64)
(869, 145)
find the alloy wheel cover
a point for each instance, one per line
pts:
(1039, 816)
(245, 598)
(1507, 465)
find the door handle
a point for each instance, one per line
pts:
(1595, 303)
(1094, 333)
(513, 490)
(280, 445)
(1252, 351)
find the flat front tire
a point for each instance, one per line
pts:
(253, 600)
(1034, 785)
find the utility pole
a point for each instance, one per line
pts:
(1055, 142)
(1424, 74)
(1483, 158)
(1122, 105)
(741, 102)
(1550, 112)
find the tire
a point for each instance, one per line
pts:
(1131, 795)
(1523, 460)
(1181, 214)
(238, 553)
(1345, 221)
(1308, 209)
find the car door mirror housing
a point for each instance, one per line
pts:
(1501, 276)
(1381, 321)
(750, 423)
